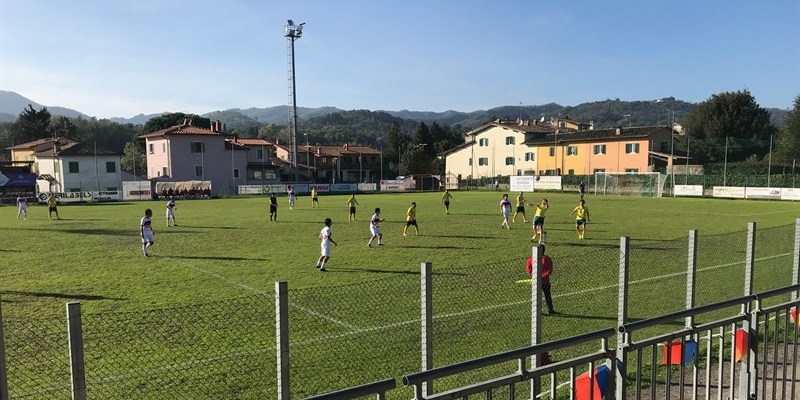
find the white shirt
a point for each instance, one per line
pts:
(171, 204)
(325, 235)
(22, 202)
(376, 218)
(291, 194)
(146, 224)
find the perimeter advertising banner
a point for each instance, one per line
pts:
(522, 183)
(688, 190)
(729, 192)
(67, 197)
(762, 193)
(792, 194)
(136, 190)
(547, 183)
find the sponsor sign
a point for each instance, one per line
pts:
(109, 195)
(344, 187)
(18, 179)
(393, 185)
(367, 187)
(136, 190)
(547, 183)
(730, 192)
(688, 190)
(521, 183)
(67, 197)
(762, 193)
(320, 187)
(792, 194)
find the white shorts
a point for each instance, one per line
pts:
(325, 249)
(23, 208)
(170, 213)
(375, 230)
(147, 237)
(506, 213)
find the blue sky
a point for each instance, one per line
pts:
(118, 58)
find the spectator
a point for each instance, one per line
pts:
(547, 269)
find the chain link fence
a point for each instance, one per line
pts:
(347, 335)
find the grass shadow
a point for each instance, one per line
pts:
(211, 258)
(381, 271)
(61, 295)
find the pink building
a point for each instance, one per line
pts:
(191, 153)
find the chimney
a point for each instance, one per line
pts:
(185, 122)
(618, 130)
(344, 146)
(219, 126)
(224, 128)
(212, 126)
(318, 152)
(277, 141)
(591, 125)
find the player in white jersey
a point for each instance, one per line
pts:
(171, 207)
(146, 229)
(505, 211)
(292, 197)
(325, 245)
(374, 229)
(22, 207)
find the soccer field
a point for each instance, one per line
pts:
(359, 320)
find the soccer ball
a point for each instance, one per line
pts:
(537, 178)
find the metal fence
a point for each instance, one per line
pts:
(409, 323)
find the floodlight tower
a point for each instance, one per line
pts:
(293, 32)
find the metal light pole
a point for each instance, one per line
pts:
(725, 165)
(769, 165)
(672, 150)
(308, 158)
(293, 32)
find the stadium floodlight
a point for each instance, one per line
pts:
(293, 32)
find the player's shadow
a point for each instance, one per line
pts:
(102, 232)
(465, 236)
(216, 258)
(436, 247)
(206, 227)
(61, 295)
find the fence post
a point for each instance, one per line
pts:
(621, 366)
(3, 375)
(427, 322)
(691, 286)
(75, 338)
(749, 371)
(536, 314)
(796, 264)
(282, 337)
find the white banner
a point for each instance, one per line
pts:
(344, 187)
(522, 183)
(762, 193)
(107, 195)
(547, 183)
(730, 192)
(367, 187)
(792, 194)
(67, 197)
(251, 189)
(688, 190)
(393, 186)
(136, 190)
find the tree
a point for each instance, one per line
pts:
(787, 148)
(415, 161)
(732, 117)
(31, 125)
(133, 155)
(172, 119)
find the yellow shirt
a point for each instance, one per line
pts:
(351, 202)
(540, 210)
(520, 201)
(411, 214)
(580, 212)
(51, 201)
(313, 192)
(446, 196)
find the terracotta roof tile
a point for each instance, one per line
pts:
(253, 142)
(597, 135)
(182, 130)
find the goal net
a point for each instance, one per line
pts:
(649, 184)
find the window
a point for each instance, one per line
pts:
(528, 156)
(152, 148)
(235, 173)
(198, 171)
(509, 160)
(163, 147)
(599, 149)
(470, 161)
(631, 148)
(259, 154)
(483, 161)
(572, 150)
(596, 170)
(631, 170)
(373, 159)
(509, 140)
(552, 151)
(111, 167)
(663, 147)
(164, 171)
(324, 160)
(73, 167)
(483, 142)
(571, 172)
(198, 147)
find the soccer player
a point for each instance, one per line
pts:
(538, 221)
(582, 189)
(505, 211)
(52, 206)
(314, 199)
(411, 218)
(325, 245)
(520, 209)
(147, 232)
(374, 229)
(171, 207)
(351, 205)
(292, 197)
(581, 214)
(273, 207)
(547, 269)
(22, 207)
(446, 196)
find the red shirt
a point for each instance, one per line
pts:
(547, 268)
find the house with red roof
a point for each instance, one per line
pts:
(334, 163)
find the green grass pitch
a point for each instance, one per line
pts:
(198, 312)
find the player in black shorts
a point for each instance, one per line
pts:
(273, 208)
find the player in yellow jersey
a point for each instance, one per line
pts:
(351, 204)
(446, 196)
(581, 214)
(314, 199)
(538, 221)
(520, 209)
(411, 218)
